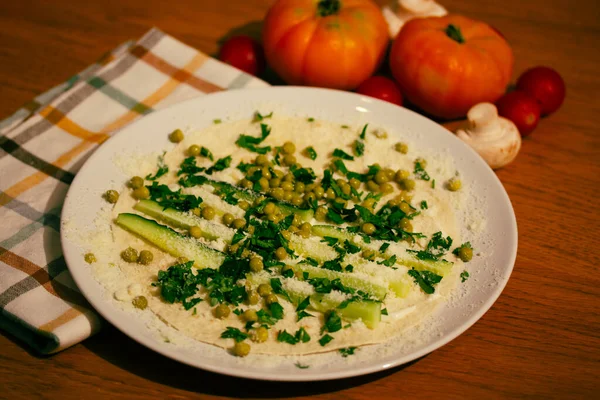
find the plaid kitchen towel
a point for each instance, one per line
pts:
(43, 145)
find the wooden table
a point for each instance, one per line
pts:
(540, 339)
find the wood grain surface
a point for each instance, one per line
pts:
(542, 337)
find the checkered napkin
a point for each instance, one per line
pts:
(43, 145)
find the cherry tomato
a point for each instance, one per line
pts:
(545, 85)
(244, 53)
(521, 109)
(382, 88)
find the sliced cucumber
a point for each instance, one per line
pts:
(182, 220)
(306, 214)
(347, 279)
(368, 311)
(440, 267)
(170, 241)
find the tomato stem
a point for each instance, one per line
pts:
(454, 33)
(328, 7)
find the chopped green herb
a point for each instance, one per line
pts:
(310, 119)
(345, 127)
(259, 117)
(464, 276)
(333, 322)
(384, 311)
(389, 262)
(348, 351)
(425, 279)
(303, 314)
(331, 241)
(325, 339)
(234, 333)
(162, 170)
(301, 366)
(349, 268)
(304, 175)
(359, 148)
(302, 336)
(424, 205)
(285, 337)
(220, 165)
(351, 247)
(433, 184)
(217, 121)
(204, 152)
(420, 172)
(342, 154)
(276, 310)
(237, 311)
(278, 288)
(438, 245)
(364, 132)
(170, 199)
(311, 152)
(384, 247)
(249, 142)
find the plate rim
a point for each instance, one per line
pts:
(102, 306)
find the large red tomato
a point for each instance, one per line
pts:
(328, 43)
(445, 65)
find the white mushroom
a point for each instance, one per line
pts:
(496, 139)
(401, 11)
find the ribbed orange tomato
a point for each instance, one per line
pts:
(445, 65)
(328, 43)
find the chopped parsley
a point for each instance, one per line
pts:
(425, 279)
(420, 172)
(325, 339)
(424, 205)
(220, 165)
(301, 366)
(384, 311)
(342, 154)
(162, 170)
(304, 175)
(250, 142)
(364, 132)
(438, 245)
(333, 322)
(351, 247)
(276, 310)
(311, 152)
(384, 247)
(278, 288)
(170, 199)
(389, 262)
(464, 276)
(331, 241)
(259, 117)
(310, 119)
(301, 307)
(235, 334)
(206, 153)
(301, 336)
(217, 121)
(359, 148)
(348, 351)
(433, 184)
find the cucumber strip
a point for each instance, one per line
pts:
(178, 219)
(306, 214)
(377, 291)
(318, 251)
(170, 241)
(368, 311)
(440, 267)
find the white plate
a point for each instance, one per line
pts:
(489, 273)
